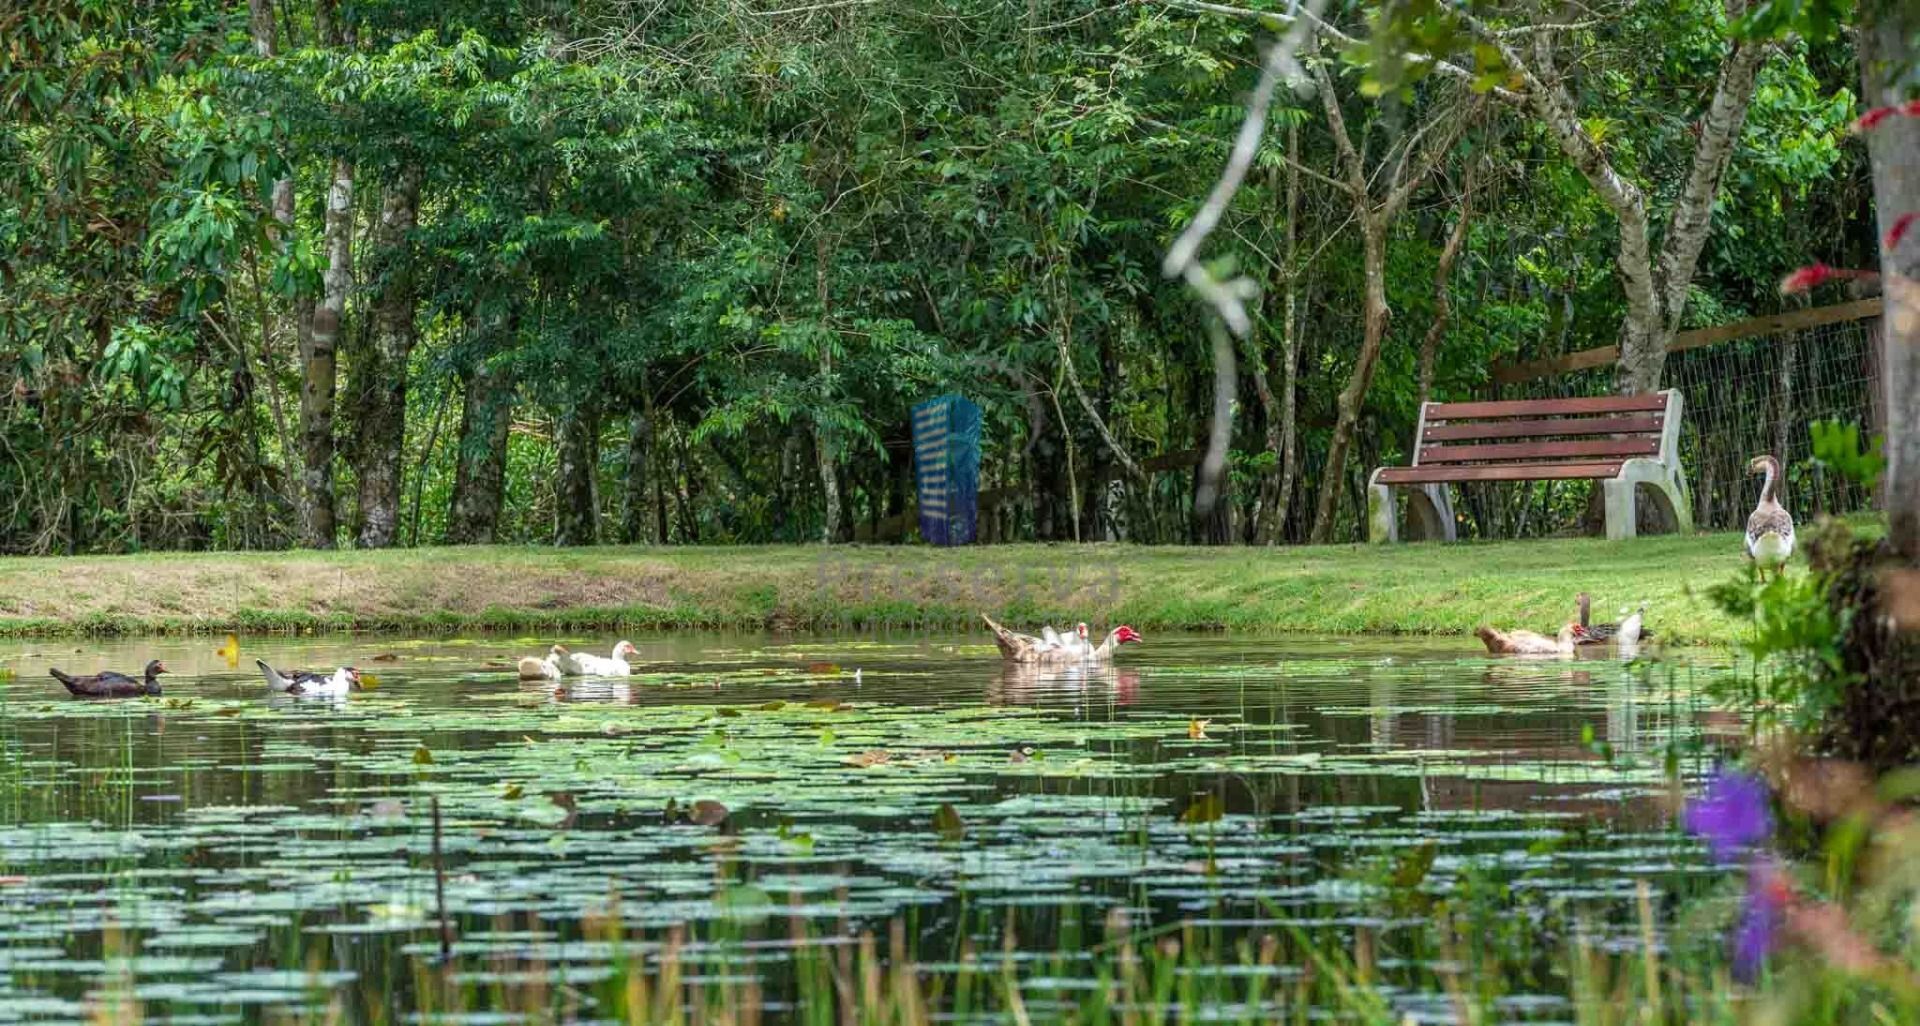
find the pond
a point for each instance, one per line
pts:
(214, 855)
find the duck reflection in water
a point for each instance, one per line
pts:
(587, 689)
(1036, 684)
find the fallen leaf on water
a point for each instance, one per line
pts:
(872, 757)
(1197, 729)
(422, 757)
(386, 657)
(708, 813)
(947, 822)
(823, 668)
(512, 792)
(774, 706)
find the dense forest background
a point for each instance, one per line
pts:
(328, 273)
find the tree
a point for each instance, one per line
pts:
(1378, 194)
(1889, 36)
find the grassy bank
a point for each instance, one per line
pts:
(1417, 589)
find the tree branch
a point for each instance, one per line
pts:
(1182, 259)
(1719, 131)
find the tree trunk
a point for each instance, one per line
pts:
(318, 346)
(379, 395)
(1889, 72)
(636, 512)
(1442, 300)
(1374, 238)
(1280, 410)
(822, 437)
(576, 513)
(1656, 297)
(480, 468)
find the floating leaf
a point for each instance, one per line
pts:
(1197, 729)
(1206, 808)
(774, 706)
(823, 668)
(947, 822)
(512, 792)
(386, 657)
(707, 813)
(871, 757)
(422, 757)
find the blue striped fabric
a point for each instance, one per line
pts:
(946, 458)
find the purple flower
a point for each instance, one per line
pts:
(1733, 815)
(1760, 918)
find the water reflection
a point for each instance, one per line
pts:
(264, 826)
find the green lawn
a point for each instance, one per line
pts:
(1421, 589)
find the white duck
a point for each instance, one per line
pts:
(614, 666)
(1770, 526)
(301, 682)
(1025, 648)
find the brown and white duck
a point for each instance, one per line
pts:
(109, 684)
(1529, 643)
(1025, 648)
(1770, 526)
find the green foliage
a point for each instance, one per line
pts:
(1837, 446)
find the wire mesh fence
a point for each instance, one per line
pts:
(1743, 397)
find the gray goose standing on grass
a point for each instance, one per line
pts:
(1770, 526)
(108, 684)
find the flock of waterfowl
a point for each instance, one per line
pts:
(1769, 543)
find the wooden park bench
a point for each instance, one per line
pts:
(1623, 442)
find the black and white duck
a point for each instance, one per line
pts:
(303, 682)
(109, 684)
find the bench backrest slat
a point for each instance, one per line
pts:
(1540, 450)
(1518, 432)
(1465, 431)
(1548, 407)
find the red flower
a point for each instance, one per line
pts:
(1810, 276)
(1899, 230)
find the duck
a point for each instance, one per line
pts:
(303, 682)
(613, 666)
(1769, 526)
(1629, 631)
(553, 667)
(1025, 648)
(109, 684)
(1529, 643)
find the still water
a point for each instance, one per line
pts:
(228, 856)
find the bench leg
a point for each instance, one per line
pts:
(1620, 511)
(1382, 525)
(1433, 506)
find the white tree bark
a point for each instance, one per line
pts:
(1888, 70)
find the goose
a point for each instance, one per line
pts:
(108, 684)
(1627, 632)
(615, 666)
(1025, 648)
(303, 682)
(1770, 526)
(1529, 643)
